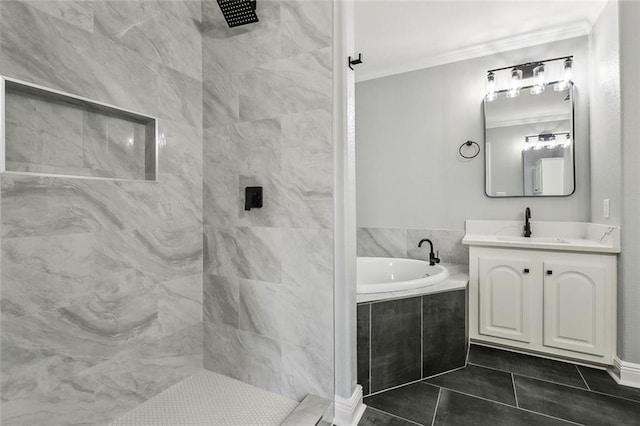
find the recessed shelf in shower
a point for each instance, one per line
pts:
(47, 132)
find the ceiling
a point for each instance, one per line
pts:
(397, 36)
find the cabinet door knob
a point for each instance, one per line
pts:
(549, 272)
(526, 270)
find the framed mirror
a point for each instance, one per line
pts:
(529, 144)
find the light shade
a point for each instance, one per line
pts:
(566, 78)
(492, 93)
(540, 80)
(516, 83)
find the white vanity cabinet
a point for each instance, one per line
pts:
(554, 302)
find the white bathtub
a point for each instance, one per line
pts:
(386, 274)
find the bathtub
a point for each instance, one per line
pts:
(386, 274)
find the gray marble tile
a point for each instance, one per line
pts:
(180, 303)
(42, 136)
(221, 300)
(295, 84)
(307, 261)
(220, 182)
(260, 254)
(179, 96)
(363, 330)
(112, 147)
(245, 356)
(447, 241)
(279, 312)
(305, 371)
(220, 251)
(220, 99)
(41, 49)
(46, 273)
(244, 50)
(306, 26)
(381, 242)
(142, 28)
(308, 130)
(78, 13)
(181, 152)
(33, 206)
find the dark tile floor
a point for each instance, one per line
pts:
(505, 388)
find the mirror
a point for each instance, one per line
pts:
(529, 144)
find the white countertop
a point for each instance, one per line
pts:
(558, 236)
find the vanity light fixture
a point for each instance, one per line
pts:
(540, 80)
(535, 72)
(516, 83)
(546, 140)
(492, 92)
(567, 75)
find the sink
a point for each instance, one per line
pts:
(558, 236)
(544, 240)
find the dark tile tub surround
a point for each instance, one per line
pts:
(508, 389)
(404, 340)
(395, 342)
(363, 346)
(444, 332)
(400, 242)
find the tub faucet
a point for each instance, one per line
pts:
(433, 257)
(527, 222)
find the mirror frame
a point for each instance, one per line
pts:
(573, 144)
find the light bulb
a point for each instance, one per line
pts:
(492, 93)
(567, 76)
(540, 80)
(516, 83)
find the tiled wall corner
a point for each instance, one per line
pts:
(267, 121)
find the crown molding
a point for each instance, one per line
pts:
(576, 29)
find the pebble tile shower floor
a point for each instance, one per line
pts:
(208, 398)
(505, 388)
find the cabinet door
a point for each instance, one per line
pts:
(574, 307)
(505, 297)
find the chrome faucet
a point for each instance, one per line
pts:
(527, 222)
(433, 257)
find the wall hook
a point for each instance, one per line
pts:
(357, 61)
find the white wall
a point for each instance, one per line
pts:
(605, 115)
(629, 274)
(408, 130)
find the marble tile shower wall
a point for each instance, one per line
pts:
(396, 242)
(101, 297)
(268, 296)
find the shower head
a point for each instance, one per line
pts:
(238, 12)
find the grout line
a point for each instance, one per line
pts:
(422, 337)
(435, 410)
(370, 350)
(510, 406)
(445, 372)
(515, 392)
(394, 387)
(393, 415)
(583, 379)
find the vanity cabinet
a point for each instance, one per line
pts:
(558, 303)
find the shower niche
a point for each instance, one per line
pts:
(45, 132)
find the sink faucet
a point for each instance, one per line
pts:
(433, 257)
(527, 222)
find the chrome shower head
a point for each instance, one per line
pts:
(238, 12)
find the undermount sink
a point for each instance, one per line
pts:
(547, 240)
(558, 236)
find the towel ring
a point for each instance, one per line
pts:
(469, 143)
